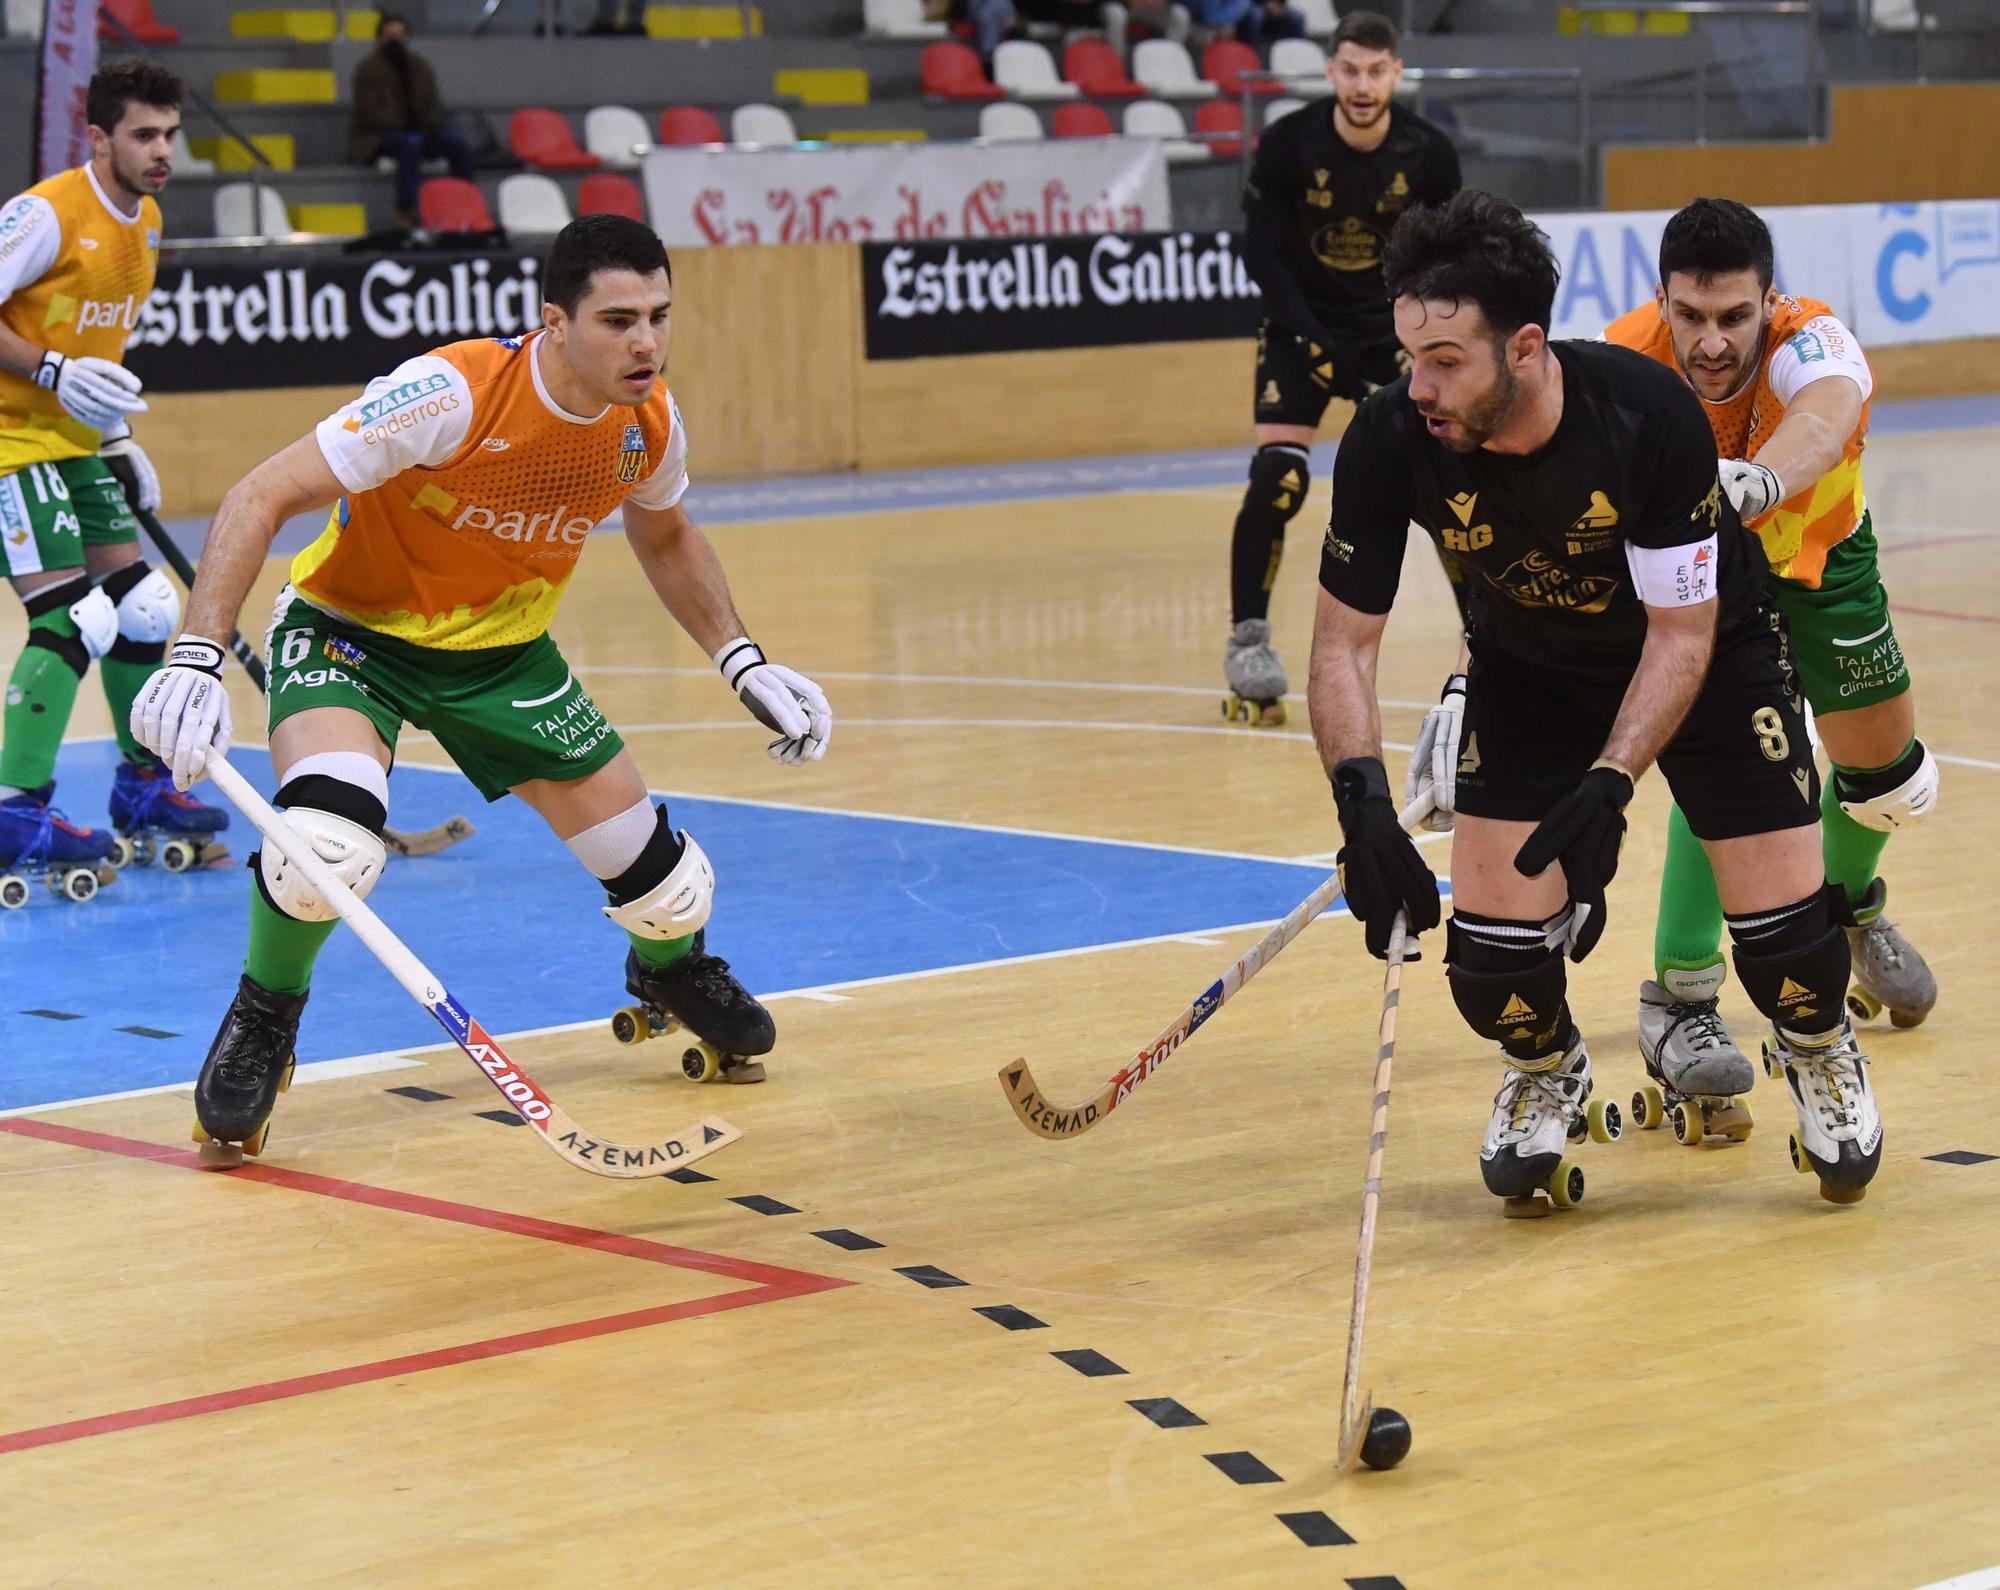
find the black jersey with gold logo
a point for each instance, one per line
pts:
(1541, 538)
(1338, 205)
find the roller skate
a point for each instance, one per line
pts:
(698, 994)
(1539, 1111)
(1889, 974)
(1696, 1074)
(1256, 678)
(1839, 1135)
(155, 820)
(248, 1066)
(34, 836)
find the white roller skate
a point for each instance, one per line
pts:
(1839, 1135)
(1697, 1074)
(1537, 1114)
(1257, 683)
(1889, 974)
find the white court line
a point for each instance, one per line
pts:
(359, 1065)
(1978, 1579)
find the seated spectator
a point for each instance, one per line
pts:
(1272, 19)
(990, 20)
(397, 113)
(1255, 22)
(1146, 19)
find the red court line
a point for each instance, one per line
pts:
(775, 1283)
(1935, 612)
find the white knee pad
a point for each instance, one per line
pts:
(151, 611)
(355, 855)
(96, 622)
(677, 905)
(1910, 801)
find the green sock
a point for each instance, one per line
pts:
(1688, 934)
(282, 948)
(660, 952)
(40, 693)
(1852, 852)
(123, 680)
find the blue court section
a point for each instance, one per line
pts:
(126, 990)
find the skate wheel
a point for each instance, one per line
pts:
(1230, 706)
(1525, 1207)
(1690, 1125)
(1649, 1108)
(177, 855)
(629, 1026)
(1603, 1120)
(1566, 1185)
(79, 884)
(145, 850)
(285, 1081)
(701, 1062)
(1862, 1005)
(122, 852)
(253, 1145)
(13, 892)
(1771, 1066)
(1800, 1161)
(1842, 1195)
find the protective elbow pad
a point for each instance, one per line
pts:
(677, 905)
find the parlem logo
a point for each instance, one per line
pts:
(558, 528)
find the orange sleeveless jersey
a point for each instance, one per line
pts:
(472, 545)
(1801, 530)
(85, 304)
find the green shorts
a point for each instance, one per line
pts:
(504, 714)
(1843, 643)
(50, 512)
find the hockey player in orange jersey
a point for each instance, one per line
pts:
(464, 486)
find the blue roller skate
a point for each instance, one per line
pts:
(155, 820)
(34, 836)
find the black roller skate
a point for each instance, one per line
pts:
(155, 820)
(248, 1066)
(698, 993)
(35, 837)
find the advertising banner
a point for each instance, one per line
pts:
(1925, 272)
(69, 61)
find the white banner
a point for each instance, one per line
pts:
(906, 192)
(1925, 272)
(69, 61)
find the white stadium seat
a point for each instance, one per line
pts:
(899, 19)
(532, 204)
(1166, 69)
(761, 124)
(237, 212)
(1150, 118)
(186, 162)
(1299, 58)
(1284, 105)
(1027, 71)
(617, 135)
(1006, 122)
(1320, 19)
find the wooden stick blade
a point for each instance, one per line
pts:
(1353, 1435)
(572, 1143)
(1049, 1120)
(428, 841)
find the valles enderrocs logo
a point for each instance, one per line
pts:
(631, 455)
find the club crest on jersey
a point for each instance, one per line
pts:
(344, 651)
(631, 455)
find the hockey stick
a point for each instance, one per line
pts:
(1044, 1119)
(1354, 1422)
(563, 1136)
(425, 841)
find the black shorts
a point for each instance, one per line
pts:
(1741, 763)
(1296, 379)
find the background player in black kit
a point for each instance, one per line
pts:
(1327, 187)
(1617, 617)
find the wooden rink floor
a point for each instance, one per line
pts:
(482, 1368)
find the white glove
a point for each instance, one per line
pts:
(787, 703)
(126, 459)
(1754, 488)
(182, 716)
(94, 392)
(1434, 758)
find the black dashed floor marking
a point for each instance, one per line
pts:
(688, 1173)
(421, 1095)
(1008, 1317)
(1167, 1413)
(759, 1204)
(1380, 1581)
(1088, 1361)
(930, 1275)
(852, 1241)
(504, 1117)
(1316, 1529)
(148, 1032)
(1244, 1469)
(54, 1015)
(1958, 1156)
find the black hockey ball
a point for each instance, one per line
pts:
(1387, 1442)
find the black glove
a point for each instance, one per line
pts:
(1380, 870)
(1583, 832)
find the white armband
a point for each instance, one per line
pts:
(1681, 576)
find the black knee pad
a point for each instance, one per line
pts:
(1279, 475)
(661, 855)
(1509, 985)
(1794, 962)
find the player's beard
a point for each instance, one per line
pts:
(133, 174)
(1354, 121)
(1481, 419)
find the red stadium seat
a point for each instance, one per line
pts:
(451, 204)
(684, 125)
(1221, 116)
(1081, 121)
(607, 193)
(1094, 67)
(542, 138)
(139, 22)
(951, 71)
(1225, 61)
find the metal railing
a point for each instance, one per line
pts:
(745, 9)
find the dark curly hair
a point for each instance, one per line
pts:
(128, 82)
(596, 243)
(1717, 237)
(1475, 249)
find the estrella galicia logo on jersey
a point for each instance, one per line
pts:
(403, 406)
(1537, 580)
(631, 455)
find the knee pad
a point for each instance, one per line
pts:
(1279, 475)
(1903, 793)
(1794, 962)
(54, 625)
(343, 824)
(149, 608)
(668, 892)
(1509, 984)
